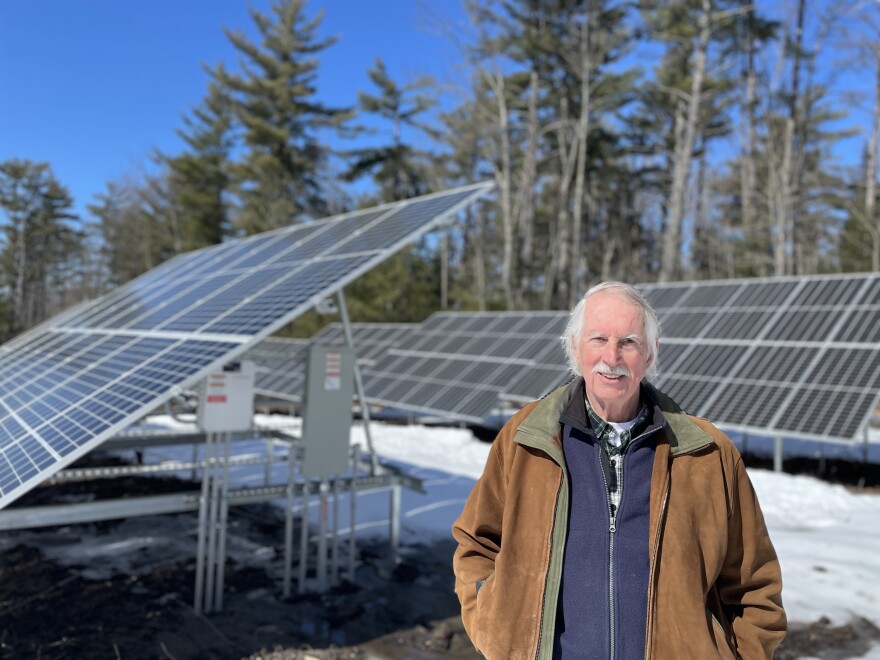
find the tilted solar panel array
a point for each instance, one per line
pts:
(280, 363)
(458, 363)
(88, 373)
(791, 356)
(787, 356)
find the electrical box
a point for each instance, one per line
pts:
(226, 402)
(327, 411)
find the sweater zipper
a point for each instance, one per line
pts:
(612, 528)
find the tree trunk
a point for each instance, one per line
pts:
(560, 244)
(525, 206)
(785, 210)
(871, 169)
(684, 148)
(748, 181)
(581, 134)
(502, 178)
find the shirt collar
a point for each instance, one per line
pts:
(599, 425)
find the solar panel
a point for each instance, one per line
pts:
(791, 356)
(280, 362)
(458, 364)
(87, 374)
(780, 356)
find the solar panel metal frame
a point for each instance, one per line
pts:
(229, 346)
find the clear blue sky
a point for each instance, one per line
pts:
(93, 86)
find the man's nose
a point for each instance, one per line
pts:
(611, 351)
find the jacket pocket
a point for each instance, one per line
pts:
(484, 605)
(720, 637)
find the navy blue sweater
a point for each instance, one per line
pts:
(584, 617)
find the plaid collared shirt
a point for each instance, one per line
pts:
(604, 433)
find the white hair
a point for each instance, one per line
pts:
(575, 328)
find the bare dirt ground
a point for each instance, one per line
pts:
(53, 609)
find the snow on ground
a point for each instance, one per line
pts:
(827, 537)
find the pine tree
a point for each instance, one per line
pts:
(41, 242)
(136, 232)
(199, 177)
(397, 168)
(685, 103)
(278, 181)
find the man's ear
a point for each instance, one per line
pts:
(653, 355)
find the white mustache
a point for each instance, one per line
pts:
(605, 368)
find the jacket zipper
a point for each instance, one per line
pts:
(612, 528)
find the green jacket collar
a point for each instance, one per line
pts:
(541, 425)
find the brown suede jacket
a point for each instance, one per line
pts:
(715, 584)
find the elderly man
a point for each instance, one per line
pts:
(610, 524)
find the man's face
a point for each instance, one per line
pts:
(613, 355)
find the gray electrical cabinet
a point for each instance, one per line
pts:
(226, 400)
(327, 411)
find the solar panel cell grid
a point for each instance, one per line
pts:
(801, 325)
(863, 327)
(662, 298)
(848, 367)
(738, 324)
(872, 294)
(533, 324)
(708, 360)
(765, 294)
(748, 404)
(818, 407)
(669, 355)
(710, 295)
(777, 364)
(295, 292)
(690, 394)
(684, 324)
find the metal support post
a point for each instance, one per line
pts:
(777, 453)
(321, 568)
(267, 476)
(394, 531)
(203, 523)
(213, 513)
(288, 523)
(352, 527)
(866, 434)
(359, 385)
(304, 540)
(224, 519)
(334, 535)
